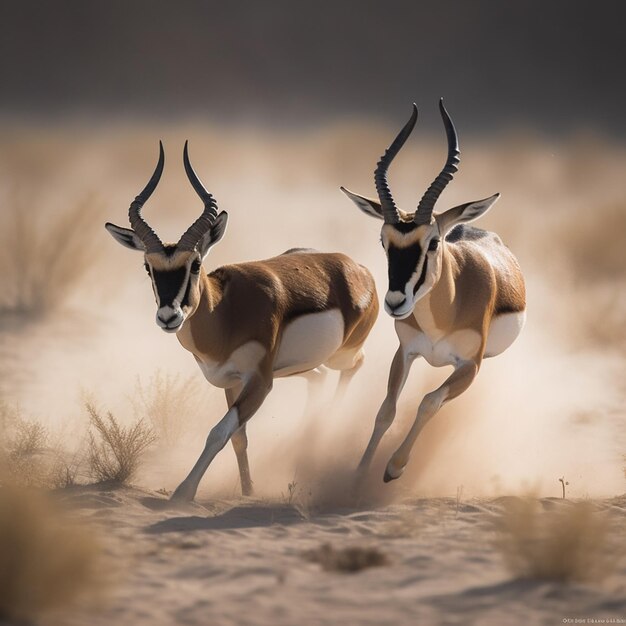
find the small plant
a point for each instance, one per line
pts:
(291, 491)
(346, 560)
(115, 450)
(24, 451)
(459, 495)
(566, 543)
(563, 483)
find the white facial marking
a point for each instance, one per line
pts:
(400, 304)
(308, 341)
(171, 317)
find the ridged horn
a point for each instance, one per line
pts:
(390, 211)
(427, 203)
(199, 228)
(149, 238)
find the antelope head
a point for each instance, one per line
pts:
(174, 268)
(414, 242)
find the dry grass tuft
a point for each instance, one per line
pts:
(115, 450)
(43, 261)
(29, 458)
(167, 401)
(346, 560)
(46, 560)
(567, 543)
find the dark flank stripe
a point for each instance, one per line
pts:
(168, 284)
(509, 308)
(402, 264)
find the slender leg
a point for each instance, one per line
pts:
(400, 367)
(455, 384)
(315, 382)
(254, 391)
(240, 445)
(346, 376)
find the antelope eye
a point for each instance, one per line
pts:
(195, 267)
(433, 245)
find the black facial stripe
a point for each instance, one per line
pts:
(185, 301)
(168, 284)
(422, 277)
(402, 264)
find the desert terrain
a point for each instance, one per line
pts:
(476, 531)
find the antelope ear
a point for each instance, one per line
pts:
(367, 205)
(467, 212)
(214, 234)
(127, 237)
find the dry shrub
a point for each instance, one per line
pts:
(570, 542)
(115, 450)
(346, 560)
(167, 401)
(42, 261)
(28, 456)
(46, 559)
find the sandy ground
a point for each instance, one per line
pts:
(245, 561)
(552, 406)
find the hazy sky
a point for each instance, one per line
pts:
(550, 65)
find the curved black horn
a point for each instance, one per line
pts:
(198, 229)
(427, 203)
(390, 212)
(149, 238)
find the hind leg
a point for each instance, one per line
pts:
(239, 440)
(315, 382)
(346, 376)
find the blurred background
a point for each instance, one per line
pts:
(283, 102)
(550, 66)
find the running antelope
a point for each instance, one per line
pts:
(456, 292)
(249, 323)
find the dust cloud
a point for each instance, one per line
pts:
(550, 407)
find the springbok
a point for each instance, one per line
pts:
(456, 292)
(249, 323)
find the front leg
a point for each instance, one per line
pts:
(240, 445)
(254, 391)
(455, 384)
(400, 367)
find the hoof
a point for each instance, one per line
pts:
(182, 495)
(388, 477)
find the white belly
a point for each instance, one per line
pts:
(306, 343)
(237, 367)
(460, 345)
(503, 331)
(309, 341)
